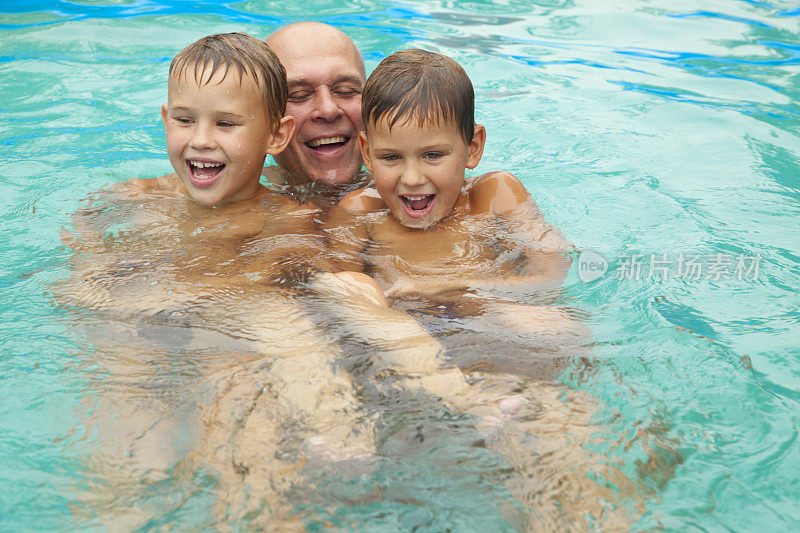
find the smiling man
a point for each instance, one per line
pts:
(326, 75)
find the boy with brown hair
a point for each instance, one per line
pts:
(426, 230)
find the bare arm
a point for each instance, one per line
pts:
(347, 228)
(88, 222)
(547, 253)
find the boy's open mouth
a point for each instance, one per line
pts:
(327, 144)
(418, 205)
(204, 173)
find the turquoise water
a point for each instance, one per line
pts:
(645, 128)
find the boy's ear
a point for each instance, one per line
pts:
(164, 114)
(476, 146)
(363, 143)
(281, 136)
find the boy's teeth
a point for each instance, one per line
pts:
(327, 140)
(418, 202)
(201, 164)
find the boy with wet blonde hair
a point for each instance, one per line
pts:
(426, 230)
(226, 99)
(196, 265)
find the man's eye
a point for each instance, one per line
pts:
(345, 92)
(299, 97)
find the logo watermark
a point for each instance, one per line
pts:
(688, 267)
(591, 266)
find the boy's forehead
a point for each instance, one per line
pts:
(220, 92)
(420, 120)
(196, 74)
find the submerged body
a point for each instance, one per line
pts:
(246, 242)
(478, 251)
(219, 258)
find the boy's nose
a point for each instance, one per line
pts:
(326, 108)
(412, 176)
(202, 138)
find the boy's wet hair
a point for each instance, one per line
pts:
(420, 84)
(249, 55)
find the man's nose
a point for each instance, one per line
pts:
(202, 138)
(326, 107)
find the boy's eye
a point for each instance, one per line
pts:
(433, 155)
(184, 120)
(390, 157)
(225, 124)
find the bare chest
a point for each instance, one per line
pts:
(470, 247)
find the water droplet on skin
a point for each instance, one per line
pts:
(252, 117)
(227, 91)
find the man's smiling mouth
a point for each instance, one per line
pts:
(327, 144)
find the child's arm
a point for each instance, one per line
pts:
(347, 227)
(110, 205)
(547, 254)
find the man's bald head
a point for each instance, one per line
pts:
(325, 74)
(314, 37)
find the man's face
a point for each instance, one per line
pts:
(325, 83)
(217, 136)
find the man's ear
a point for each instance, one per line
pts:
(476, 147)
(281, 136)
(363, 143)
(164, 114)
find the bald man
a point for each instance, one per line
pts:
(326, 74)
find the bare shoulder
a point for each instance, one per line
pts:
(166, 183)
(502, 194)
(496, 192)
(362, 201)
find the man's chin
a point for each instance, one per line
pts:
(334, 176)
(322, 171)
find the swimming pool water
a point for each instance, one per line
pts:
(663, 129)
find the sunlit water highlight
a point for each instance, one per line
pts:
(639, 127)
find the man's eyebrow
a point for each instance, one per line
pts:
(295, 82)
(302, 82)
(350, 79)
